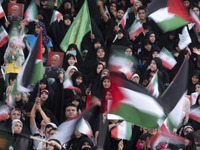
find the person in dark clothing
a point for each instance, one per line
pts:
(58, 30)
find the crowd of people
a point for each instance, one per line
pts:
(41, 111)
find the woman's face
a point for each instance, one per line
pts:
(105, 73)
(71, 72)
(99, 68)
(75, 102)
(85, 144)
(197, 87)
(113, 7)
(100, 53)
(79, 80)
(106, 83)
(155, 54)
(196, 11)
(15, 115)
(67, 5)
(77, 134)
(42, 85)
(136, 79)
(71, 61)
(120, 35)
(43, 49)
(37, 29)
(108, 96)
(137, 5)
(67, 22)
(128, 52)
(17, 127)
(18, 97)
(44, 96)
(152, 38)
(97, 45)
(153, 66)
(195, 79)
(148, 47)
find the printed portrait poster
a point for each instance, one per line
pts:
(15, 12)
(54, 64)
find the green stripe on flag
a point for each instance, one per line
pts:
(172, 24)
(140, 118)
(37, 72)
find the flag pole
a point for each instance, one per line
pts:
(5, 18)
(26, 136)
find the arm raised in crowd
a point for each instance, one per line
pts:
(37, 106)
(101, 9)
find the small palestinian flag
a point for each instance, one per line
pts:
(133, 102)
(165, 137)
(32, 70)
(167, 58)
(3, 36)
(122, 131)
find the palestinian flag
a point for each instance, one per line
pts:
(84, 127)
(167, 58)
(185, 39)
(135, 29)
(67, 84)
(167, 138)
(123, 21)
(176, 116)
(3, 36)
(193, 98)
(122, 131)
(173, 98)
(169, 14)
(31, 12)
(66, 129)
(2, 13)
(195, 19)
(32, 70)
(153, 86)
(56, 14)
(133, 102)
(177, 88)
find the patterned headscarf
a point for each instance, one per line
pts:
(45, 37)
